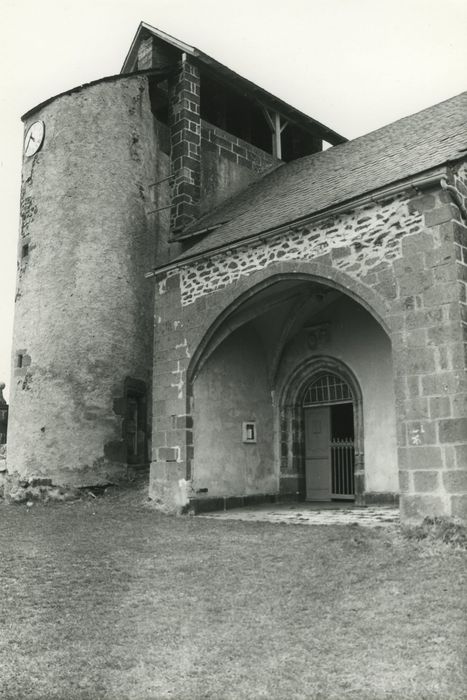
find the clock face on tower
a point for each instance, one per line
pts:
(34, 138)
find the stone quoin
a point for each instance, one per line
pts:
(218, 287)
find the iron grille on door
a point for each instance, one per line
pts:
(342, 468)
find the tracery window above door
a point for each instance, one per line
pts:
(327, 388)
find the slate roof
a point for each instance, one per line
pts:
(311, 184)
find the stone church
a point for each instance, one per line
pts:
(216, 286)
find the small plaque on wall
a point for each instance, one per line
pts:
(249, 431)
(318, 335)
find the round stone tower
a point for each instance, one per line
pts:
(82, 348)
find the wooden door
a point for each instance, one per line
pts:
(318, 453)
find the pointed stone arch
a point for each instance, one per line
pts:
(291, 418)
(228, 319)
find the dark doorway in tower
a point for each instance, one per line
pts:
(329, 439)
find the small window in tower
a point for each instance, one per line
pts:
(159, 99)
(19, 360)
(134, 424)
(25, 251)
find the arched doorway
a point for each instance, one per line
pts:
(321, 429)
(328, 413)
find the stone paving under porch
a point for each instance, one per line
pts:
(312, 514)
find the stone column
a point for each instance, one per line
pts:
(430, 365)
(185, 135)
(172, 447)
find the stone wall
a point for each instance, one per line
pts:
(228, 165)
(431, 362)
(233, 388)
(396, 258)
(208, 164)
(235, 149)
(83, 317)
(363, 242)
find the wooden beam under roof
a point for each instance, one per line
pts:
(236, 81)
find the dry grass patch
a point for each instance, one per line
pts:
(108, 599)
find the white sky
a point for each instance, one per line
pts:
(352, 64)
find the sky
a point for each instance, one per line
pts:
(354, 65)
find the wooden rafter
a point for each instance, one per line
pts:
(273, 118)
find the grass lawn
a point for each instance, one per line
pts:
(109, 599)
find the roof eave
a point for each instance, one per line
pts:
(417, 181)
